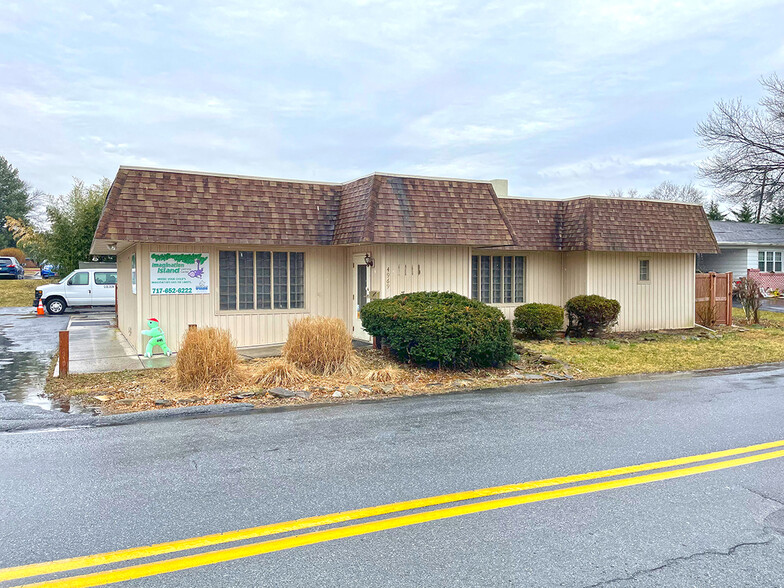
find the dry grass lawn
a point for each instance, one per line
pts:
(19, 292)
(741, 344)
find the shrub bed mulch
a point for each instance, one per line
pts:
(131, 391)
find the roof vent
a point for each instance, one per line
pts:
(501, 187)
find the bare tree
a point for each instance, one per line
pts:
(674, 192)
(665, 191)
(747, 163)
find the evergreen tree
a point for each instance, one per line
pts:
(745, 214)
(14, 200)
(776, 215)
(714, 213)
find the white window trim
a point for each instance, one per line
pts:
(647, 281)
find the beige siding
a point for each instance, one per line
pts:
(127, 301)
(543, 271)
(326, 292)
(551, 277)
(666, 302)
(411, 268)
(575, 274)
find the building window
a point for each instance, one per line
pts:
(769, 261)
(498, 279)
(645, 270)
(261, 280)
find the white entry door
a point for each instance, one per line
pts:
(360, 295)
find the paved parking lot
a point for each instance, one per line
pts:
(27, 344)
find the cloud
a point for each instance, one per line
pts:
(561, 98)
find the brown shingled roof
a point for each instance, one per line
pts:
(148, 205)
(174, 207)
(186, 207)
(610, 224)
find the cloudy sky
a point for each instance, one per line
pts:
(561, 98)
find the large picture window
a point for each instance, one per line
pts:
(498, 278)
(769, 261)
(261, 280)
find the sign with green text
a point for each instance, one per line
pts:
(180, 273)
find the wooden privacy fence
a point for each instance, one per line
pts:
(714, 299)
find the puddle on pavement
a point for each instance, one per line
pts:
(26, 349)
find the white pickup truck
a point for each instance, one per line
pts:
(82, 287)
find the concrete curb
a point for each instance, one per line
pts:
(64, 420)
(79, 421)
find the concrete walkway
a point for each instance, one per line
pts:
(97, 346)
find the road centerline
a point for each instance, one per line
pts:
(80, 562)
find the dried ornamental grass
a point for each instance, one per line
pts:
(278, 372)
(386, 374)
(321, 345)
(207, 357)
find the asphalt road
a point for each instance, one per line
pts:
(70, 492)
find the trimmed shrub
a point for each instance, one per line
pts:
(440, 329)
(207, 358)
(320, 345)
(13, 252)
(590, 316)
(538, 321)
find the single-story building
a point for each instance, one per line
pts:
(752, 250)
(251, 254)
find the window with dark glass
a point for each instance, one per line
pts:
(297, 280)
(484, 287)
(475, 277)
(227, 276)
(645, 270)
(245, 280)
(498, 279)
(769, 261)
(508, 279)
(261, 280)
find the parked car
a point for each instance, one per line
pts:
(48, 271)
(82, 287)
(10, 268)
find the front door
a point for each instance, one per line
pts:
(360, 295)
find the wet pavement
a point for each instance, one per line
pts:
(770, 304)
(27, 344)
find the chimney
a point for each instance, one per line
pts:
(501, 187)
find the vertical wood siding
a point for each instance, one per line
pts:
(127, 301)
(575, 274)
(543, 277)
(326, 291)
(667, 302)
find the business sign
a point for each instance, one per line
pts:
(180, 273)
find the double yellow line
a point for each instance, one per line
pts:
(758, 453)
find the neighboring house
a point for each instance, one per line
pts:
(747, 250)
(251, 254)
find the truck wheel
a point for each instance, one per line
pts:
(55, 306)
